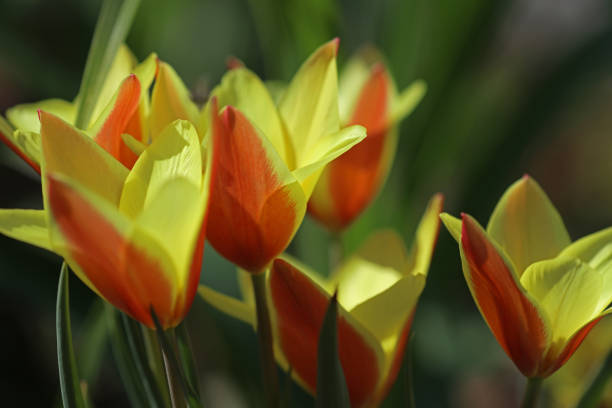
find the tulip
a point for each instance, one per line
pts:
(134, 237)
(271, 158)
(539, 293)
(378, 289)
(368, 97)
(121, 108)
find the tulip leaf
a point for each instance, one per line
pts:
(185, 352)
(111, 30)
(172, 366)
(332, 391)
(68, 373)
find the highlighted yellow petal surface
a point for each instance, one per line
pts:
(527, 226)
(229, 305)
(407, 100)
(324, 151)
(568, 290)
(70, 152)
(25, 117)
(309, 106)
(29, 226)
(453, 225)
(426, 236)
(170, 100)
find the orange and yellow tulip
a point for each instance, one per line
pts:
(378, 289)
(539, 293)
(368, 97)
(122, 108)
(134, 237)
(271, 157)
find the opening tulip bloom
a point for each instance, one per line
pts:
(271, 158)
(368, 97)
(134, 237)
(378, 289)
(539, 293)
(122, 108)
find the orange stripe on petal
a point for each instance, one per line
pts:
(252, 215)
(127, 277)
(123, 113)
(512, 317)
(299, 307)
(20, 153)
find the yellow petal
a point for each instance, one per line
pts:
(175, 153)
(136, 146)
(426, 236)
(25, 117)
(29, 226)
(69, 152)
(324, 151)
(229, 305)
(568, 290)
(28, 145)
(243, 90)
(170, 100)
(407, 100)
(309, 106)
(453, 225)
(526, 225)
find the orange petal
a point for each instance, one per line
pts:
(513, 318)
(124, 274)
(352, 180)
(116, 123)
(253, 212)
(299, 307)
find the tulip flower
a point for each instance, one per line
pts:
(539, 293)
(368, 97)
(134, 237)
(271, 158)
(121, 108)
(378, 289)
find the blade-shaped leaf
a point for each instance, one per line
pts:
(68, 373)
(188, 364)
(332, 391)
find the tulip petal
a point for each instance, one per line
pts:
(174, 154)
(112, 123)
(229, 305)
(326, 149)
(257, 204)
(453, 225)
(116, 260)
(309, 106)
(29, 226)
(25, 144)
(353, 76)
(407, 101)
(25, 116)
(568, 290)
(298, 308)
(135, 145)
(515, 320)
(70, 152)
(170, 100)
(243, 90)
(373, 104)
(426, 236)
(526, 225)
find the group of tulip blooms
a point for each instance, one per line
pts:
(130, 200)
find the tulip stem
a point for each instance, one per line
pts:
(264, 332)
(336, 252)
(593, 394)
(532, 392)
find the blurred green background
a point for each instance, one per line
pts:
(514, 87)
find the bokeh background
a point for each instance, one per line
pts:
(514, 87)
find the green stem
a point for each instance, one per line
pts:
(409, 378)
(264, 332)
(593, 394)
(336, 252)
(174, 385)
(532, 392)
(113, 24)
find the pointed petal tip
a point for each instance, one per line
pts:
(39, 112)
(233, 62)
(335, 43)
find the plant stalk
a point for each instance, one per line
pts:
(593, 394)
(532, 392)
(264, 333)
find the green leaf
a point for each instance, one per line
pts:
(186, 358)
(332, 391)
(593, 395)
(173, 369)
(68, 374)
(111, 30)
